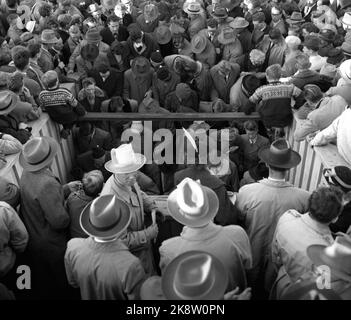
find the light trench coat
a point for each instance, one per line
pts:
(135, 237)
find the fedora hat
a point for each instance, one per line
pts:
(195, 275)
(125, 160)
(230, 4)
(346, 48)
(226, 36)
(163, 34)
(8, 101)
(308, 290)
(296, 17)
(346, 19)
(105, 217)
(30, 25)
(93, 36)
(280, 155)
(175, 28)
(219, 12)
(192, 7)
(327, 35)
(37, 153)
(48, 36)
(345, 70)
(239, 23)
(337, 256)
(192, 204)
(89, 52)
(108, 4)
(198, 44)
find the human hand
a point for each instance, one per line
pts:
(233, 295)
(74, 185)
(151, 231)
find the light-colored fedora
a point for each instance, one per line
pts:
(192, 204)
(226, 36)
(125, 160)
(238, 23)
(345, 70)
(192, 8)
(38, 153)
(163, 34)
(105, 217)
(195, 275)
(198, 44)
(48, 36)
(8, 101)
(337, 256)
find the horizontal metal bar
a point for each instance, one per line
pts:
(225, 116)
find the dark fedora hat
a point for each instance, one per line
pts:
(105, 217)
(89, 52)
(249, 84)
(38, 153)
(280, 155)
(195, 275)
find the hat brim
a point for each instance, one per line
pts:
(265, 155)
(225, 41)
(219, 286)
(55, 40)
(174, 210)
(236, 26)
(140, 160)
(198, 50)
(299, 290)
(12, 106)
(317, 255)
(53, 151)
(89, 229)
(289, 21)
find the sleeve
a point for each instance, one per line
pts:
(134, 239)
(257, 96)
(52, 203)
(9, 144)
(149, 204)
(245, 248)
(18, 232)
(81, 69)
(304, 129)
(164, 259)
(69, 272)
(134, 279)
(126, 87)
(240, 205)
(327, 135)
(71, 100)
(72, 59)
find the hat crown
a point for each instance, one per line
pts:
(194, 276)
(194, 7)
(123, 155)
(93, 35)
(5, 99)
(280, 149)
(228, 33)
(297, 16)
(48, 36)
(191, 199)
(36, 150)
(104, 212)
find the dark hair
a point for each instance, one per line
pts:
(102, 67)
(250, 125)
(11, 3)
(113, 18)
(212, 23)
(325, 204)
(33, 47)
(275, 33)
(11, 17)
(310, 27)
(21, 59)
(45, 10)
(312, 93)
(88, 81)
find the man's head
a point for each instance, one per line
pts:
(12, 19)
(33, 48)
(276, 14)
(251, 129)
(257, 57)
(50, 79)
(128, 179)
(93, 182)
(120, 10)
(292, 42)
(339, 177)
(307, 28)
(275, 35)
(311, 45)
(274, 72)
(103, 69)
(312, 94)
(15, 82)
(86, 129)
(303, 62)
(89, 87)
(113, 23)
(20, 57)
(325, 204)
(212, 25)
(74, 33)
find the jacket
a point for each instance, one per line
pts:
(226, 212)
(103, 271)
(150, 47)
(328, 109)
(45, 60)
(223, 85)
(113, 84)
(229, 244)
(108, 37)
(135, 237)
(303, 77)
(341, 90)
(13, 237)
(98, 137)
(208, 56)
(232, 51)
(261, 204)
(161, 89)
(339, 130)
(85, 66)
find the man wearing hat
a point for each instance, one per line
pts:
(261, 216)
(195, 206)
(289, 68)
(197, 20)
(297, 230)
(231, 45)
(163, 37)
(42, 208)
(180, 43)
(124, 165)
(138, 79)
(91, 37)
(240, 25)
(148, 20)
(101, 265)
(204, 51)
(45, 60)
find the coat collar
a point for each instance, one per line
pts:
(276, 183)
(196, 234)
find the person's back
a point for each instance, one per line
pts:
(229, 244)
(103, 271)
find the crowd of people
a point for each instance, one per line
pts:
(235, 229)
